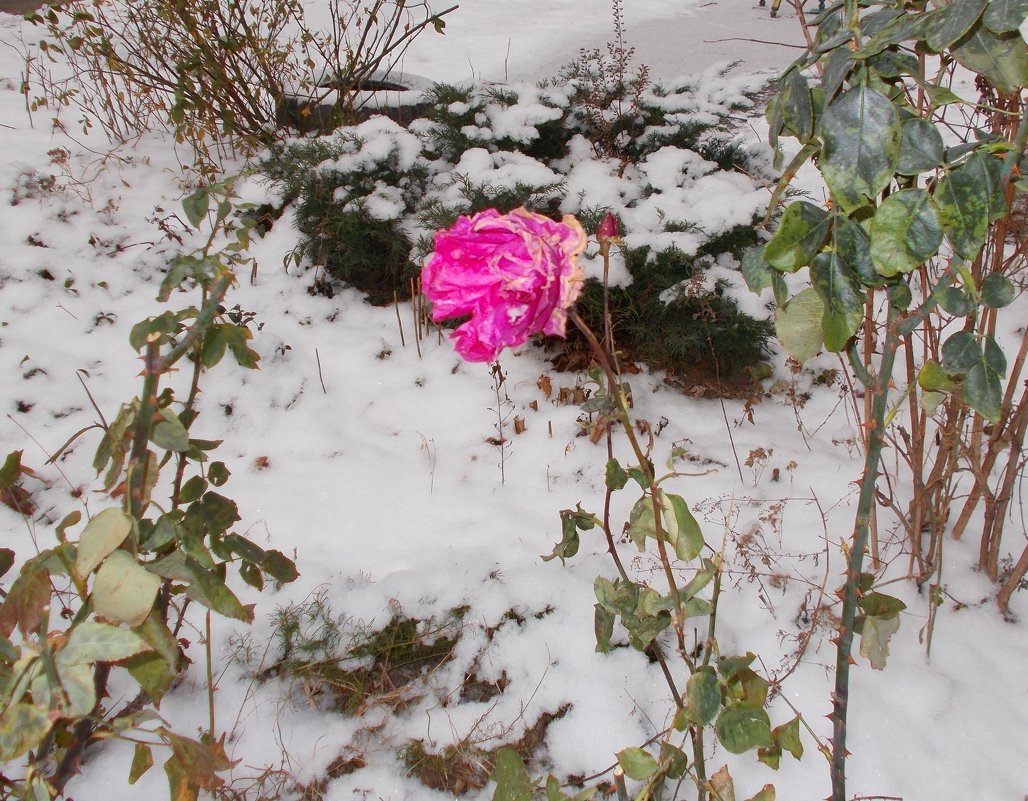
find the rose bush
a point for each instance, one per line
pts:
(515, 274)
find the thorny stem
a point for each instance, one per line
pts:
(605, 356)
(878, 386)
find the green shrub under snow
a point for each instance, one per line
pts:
(369, 197)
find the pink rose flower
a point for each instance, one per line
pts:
(516, 274)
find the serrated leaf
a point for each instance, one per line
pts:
(702, 696)
(1002, 58)
(933, 378)
(788, 736)
(862, 134)
(941, 95)
(800, 236)
(142, 761)
(842, 295)
(22, 727)
(795, 109)
(955, 301)
(995, 359)
(511, 777)
(964, 208)
(637, 763)
(874, 639)
(853, 245)
(79, 686)
(616, 477)
(211, 591)
(952, 22)
(799, 325)
(755, 271)
(730, 665)
(689, 539)
(91, 642)
(722, 786)
(641, 522)
(28, 599)
(741, 727)
(280, 567)
(153, 673)
(123, 590)
(1002, 16)
(195, 206)
(104, 532)
(169, 433)
(878, 604)
(603, 628)
(961, 352)
(997, 291)
(983, 392)
(905, 233)
(921, 148)
(674, 760)
(766, 793)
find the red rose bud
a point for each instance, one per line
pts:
(607, 229)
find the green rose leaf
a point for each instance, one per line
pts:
(933, 378)
(766, 793)
(799, 325)
(997, 291)
(842, 296)
(905, 233)
(794, 107)
(862, 135)
(123, 590)
(941, 95)
(511, 777)
(688, 541)
(874, 639)
(616, 477)
(878, 604)
(755, 270)
(1002, 16)
(995, 359)
(79, 687)
(675, 761)
(741, 727)
(22, 726)
(169, 433)
(210, 590)
(983, 392)
(637, 763)
(195, 206)
(961, 352)
(91, 642)
(952, 21)
(142, 761)
(641, 523)
(955, 301)
(853, 246)
(603, 628)
(1002, 58)
(703, 697)
(788, 734)
(800, 236)
(921, 148)
(104, 532)
(964, 208)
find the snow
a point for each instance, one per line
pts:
(371, 463)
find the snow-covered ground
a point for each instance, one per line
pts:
(371, 464)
